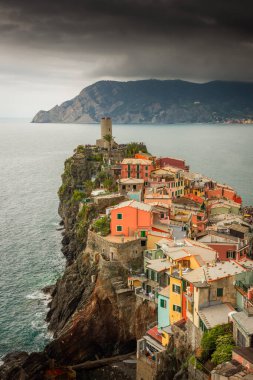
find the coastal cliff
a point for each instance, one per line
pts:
(92, 312)
(157, 102)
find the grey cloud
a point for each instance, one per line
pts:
(45, 41)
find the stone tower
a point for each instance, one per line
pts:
(105, 126)
(106, 129)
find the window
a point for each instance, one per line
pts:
(119, 228)
(202, 326)
(146, 174)
(230, 254)
(176, 289)
(219, 292)
(177, 308)
(146, 167)
(123, 187)
(138, 168)
(134, 187)
(163, 303)
(119, 216)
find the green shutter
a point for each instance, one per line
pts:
(219, 292)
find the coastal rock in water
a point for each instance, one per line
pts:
(20, 365)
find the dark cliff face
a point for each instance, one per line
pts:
(87, 315)
(154, 101)
(92, 313)
(77, 170)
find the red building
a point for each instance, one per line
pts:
(175, 162)
(136, 168)
(227, 246)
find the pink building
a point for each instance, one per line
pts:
(131, 218)
(136, 168)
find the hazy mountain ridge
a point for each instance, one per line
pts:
(155, 101)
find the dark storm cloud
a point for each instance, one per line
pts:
(195, 39)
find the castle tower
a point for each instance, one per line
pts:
(105, 129)
(105, 126)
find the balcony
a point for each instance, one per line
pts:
(140, 292)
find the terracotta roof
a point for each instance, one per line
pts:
(194, 198)
(154, 333)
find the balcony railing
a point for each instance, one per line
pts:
(242, 286)
(140, 292)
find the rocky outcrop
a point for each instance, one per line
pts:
(92, 313)
(155, 101)
(77, 170)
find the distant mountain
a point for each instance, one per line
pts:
(155, 101)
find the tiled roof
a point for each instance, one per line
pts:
(136, 161)
(205, 254)
(154, 333)
(165, 292)
(213, 272)
(134, 204)
(159, 265)
(215, 315)
(194, 198)
(245, 322)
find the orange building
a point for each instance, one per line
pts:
(131, 218)
(136, 168)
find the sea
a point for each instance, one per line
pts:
(31, 162)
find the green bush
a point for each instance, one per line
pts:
(135, 147)
(77, 196)
(224, 347)
(214, 338)
(80, 149)
(102, 226)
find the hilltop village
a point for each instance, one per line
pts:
(186, 242)
(158, 277)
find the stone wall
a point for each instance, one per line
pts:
(196, 374)
(105, 201)
(129, 253)
(193, 335)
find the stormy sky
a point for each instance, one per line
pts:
(51, 49)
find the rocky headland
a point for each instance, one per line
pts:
(156, 102)
(92, 314)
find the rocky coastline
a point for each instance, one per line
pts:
(88, 316)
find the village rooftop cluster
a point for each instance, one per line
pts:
(188, 246)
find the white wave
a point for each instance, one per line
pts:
(38, 295)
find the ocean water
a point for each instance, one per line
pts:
(31, 162)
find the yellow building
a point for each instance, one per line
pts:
(176, 291)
